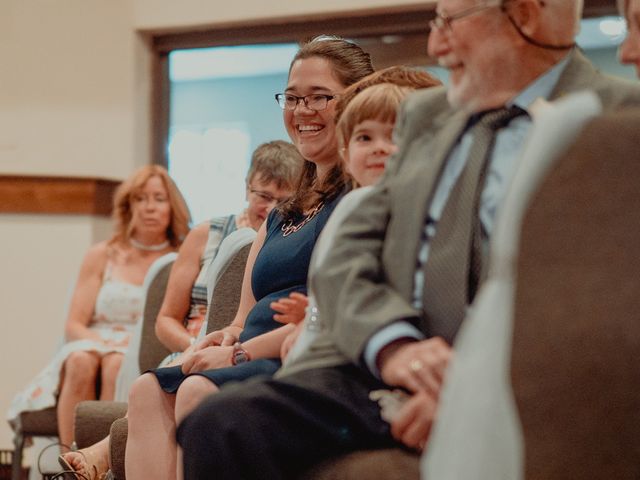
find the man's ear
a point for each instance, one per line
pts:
(344, 153)
(526, 14)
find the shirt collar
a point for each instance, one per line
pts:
(541, 87)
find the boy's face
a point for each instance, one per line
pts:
(369, 147)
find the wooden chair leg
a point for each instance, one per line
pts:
(16, 466)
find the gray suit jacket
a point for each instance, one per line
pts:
(366, 282)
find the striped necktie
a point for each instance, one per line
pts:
(454, 266)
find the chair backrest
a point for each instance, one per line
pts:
(226, 294)
(576, 334)
(152, 351)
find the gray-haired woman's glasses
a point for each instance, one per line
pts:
(315, 101)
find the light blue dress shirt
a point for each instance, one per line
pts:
(502, 165)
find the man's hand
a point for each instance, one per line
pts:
(412, 424)
(415, 366)
(207, 359)
(290, 309)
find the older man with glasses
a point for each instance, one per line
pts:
(408, 262)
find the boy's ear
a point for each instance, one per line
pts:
(344, 153)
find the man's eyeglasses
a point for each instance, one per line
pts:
(266, 197)
(315, 101)
(443, 21)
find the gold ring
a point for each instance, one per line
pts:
(416, 365)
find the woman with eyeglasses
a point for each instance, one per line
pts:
(277, 265)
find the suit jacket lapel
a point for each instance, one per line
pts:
(414, 188)
(578, 74)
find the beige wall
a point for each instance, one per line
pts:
(69, 87)
(74, 100)
(73, 97)
(160, 15)
(40, 257)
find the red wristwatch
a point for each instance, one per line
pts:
(239, 354)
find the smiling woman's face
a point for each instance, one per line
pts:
(313, 132)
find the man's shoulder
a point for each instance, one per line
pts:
(581, 74)
(432, 99)
(422, 109)
(615, 92)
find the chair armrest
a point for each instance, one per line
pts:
(117, 446)
(390, 464)
(93, 420)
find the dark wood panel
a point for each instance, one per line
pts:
(56, 195)
(350, 24)
(597, 8)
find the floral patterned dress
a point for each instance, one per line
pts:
(118, 308)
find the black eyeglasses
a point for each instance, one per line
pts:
(315, 101)
(444, 21)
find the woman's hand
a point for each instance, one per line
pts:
(220, 338)
(290, 341)
(207, 359)
(291, 309)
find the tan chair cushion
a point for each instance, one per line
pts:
(117, 446)
(40, 422)
(388, 464)
(576, 338)
(93, 420)
(151, 350)
(226, 294)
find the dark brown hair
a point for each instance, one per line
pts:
(349, 64)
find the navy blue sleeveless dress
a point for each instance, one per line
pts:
(280, 268)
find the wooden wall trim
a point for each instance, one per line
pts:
(350, 24)
(56, 195)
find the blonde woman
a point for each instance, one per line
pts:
(150, 219)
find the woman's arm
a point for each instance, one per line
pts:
(229, 335)
(169, 326)
(85, 294)
(266, 345)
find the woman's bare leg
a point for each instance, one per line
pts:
(192, 391)
(78, 383)
(151, 451)
(109, 368)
